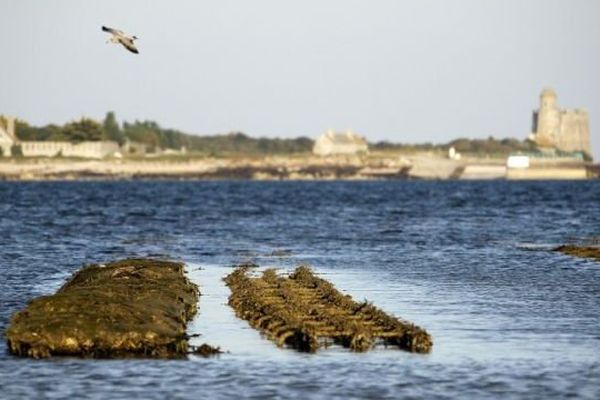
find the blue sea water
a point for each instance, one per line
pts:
(468, 261)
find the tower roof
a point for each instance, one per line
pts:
(548, 92)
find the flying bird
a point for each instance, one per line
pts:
(119, 37)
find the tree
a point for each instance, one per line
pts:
(16, 150)
(112, 130)
(146, 132)
(83, 130)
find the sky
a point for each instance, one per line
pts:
(400, 70)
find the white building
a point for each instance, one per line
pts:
(453, 154)
(517, 161)
(100, 149)
(8, 139)
(332, 143)
(7, 135)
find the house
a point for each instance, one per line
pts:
(334, 143)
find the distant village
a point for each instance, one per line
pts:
(559, 141)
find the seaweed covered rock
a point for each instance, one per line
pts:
(206, 350)
(128, 308)
(304, 312)
(580, 251)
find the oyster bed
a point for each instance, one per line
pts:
(580, 251)
(127, 308)
(305, 312)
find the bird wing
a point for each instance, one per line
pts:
(112, 30)
(128, 44)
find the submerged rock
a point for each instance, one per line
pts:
(128, 308)
(580, 251)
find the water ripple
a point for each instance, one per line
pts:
(469, 261)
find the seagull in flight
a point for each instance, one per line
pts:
(119, 37)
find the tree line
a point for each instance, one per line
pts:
(156, 137)
(491, 146)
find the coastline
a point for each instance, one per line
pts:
(304, 167)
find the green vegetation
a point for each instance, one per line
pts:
(405, 147)
(112, 130)
(153, 135)
(492, 146)
(489, 146)
(238, 142)
(156, 137)
(16, 151)
(76, 131)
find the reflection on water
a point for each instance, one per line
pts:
(216, 322)
(468, 261)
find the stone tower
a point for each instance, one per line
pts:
(548, 119)
(565, 130)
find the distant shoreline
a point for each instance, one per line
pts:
(389, 167)
(209, 169)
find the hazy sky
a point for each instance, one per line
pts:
(409, 71)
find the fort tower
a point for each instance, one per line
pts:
(561, 129)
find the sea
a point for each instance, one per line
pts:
(471, 262)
